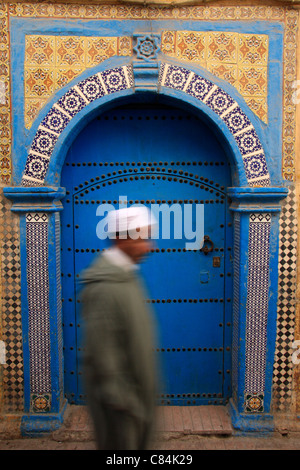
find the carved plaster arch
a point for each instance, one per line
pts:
(207, 95)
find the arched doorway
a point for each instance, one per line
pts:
(153, 153)
(255, 207)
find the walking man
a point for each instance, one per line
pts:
(120, 335)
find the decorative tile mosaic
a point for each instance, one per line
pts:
(257, 310)
(288, 16)
(71, 103)
(12, 380)
(117, 79)
(41, 403)
(198, 87)
(53, 61)
(219, 101)
(287, 284)
(289, 105)
(236, 303)
(5, 108)
(240, 59)
(228, 109)
(61, 113)
(248, 142)
(38, 303)
(209, 13)
(254, 402)
(55, 120)
(118, 11)
(92, 88)
(36, 167)
(44, 141)
(59, 304)
(236, 121)
(255, 165)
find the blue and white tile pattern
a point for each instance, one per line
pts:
(257, 309)
(227, 108)
(38, 302)
(121, 78)
(63, 111)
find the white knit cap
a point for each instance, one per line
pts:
(129, 219)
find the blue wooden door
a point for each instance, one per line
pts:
(165, 156)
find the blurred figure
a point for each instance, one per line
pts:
(119, 363)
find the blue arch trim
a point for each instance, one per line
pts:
(63, 111)
(79, 100)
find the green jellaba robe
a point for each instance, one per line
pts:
(120, 375)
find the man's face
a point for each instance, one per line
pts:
(136, 248)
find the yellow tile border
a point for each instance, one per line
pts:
(5, 107)
(228, 55)
(52, 61)
(62, 58)
(120, 11)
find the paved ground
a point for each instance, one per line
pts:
(199, 428)
(167, 442)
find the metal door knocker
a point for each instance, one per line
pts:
(205, 248)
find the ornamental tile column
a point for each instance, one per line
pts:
(44, 401)
(256, 234)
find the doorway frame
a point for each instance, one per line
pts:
(256, 205)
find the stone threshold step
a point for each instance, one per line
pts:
(202, 420)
